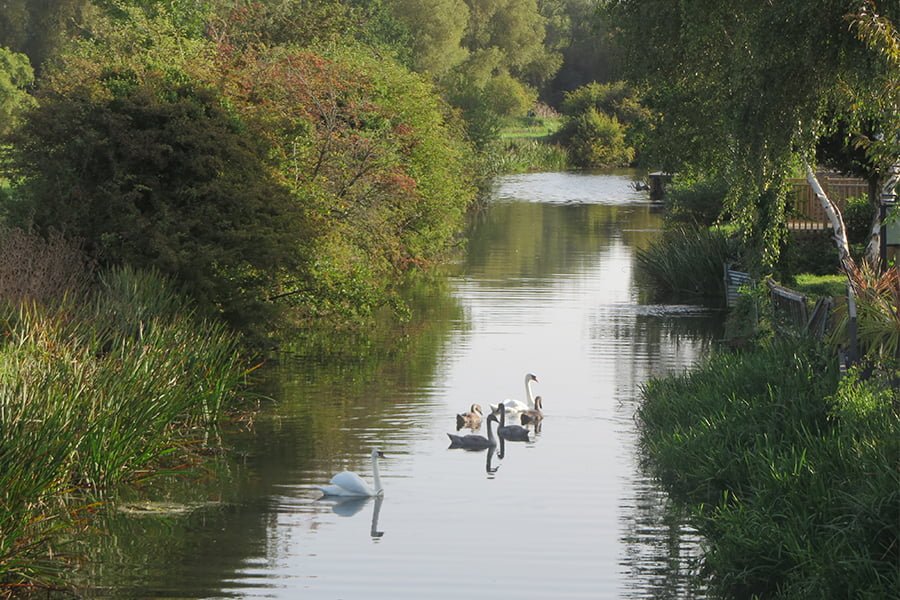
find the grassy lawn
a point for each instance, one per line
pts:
(530, 128)
(821, 285)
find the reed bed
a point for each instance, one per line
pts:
(522, 155)
(94, 392)
(686, 262)
(791, 474)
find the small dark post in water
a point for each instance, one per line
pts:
(658, 181)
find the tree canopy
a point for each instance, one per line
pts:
(742, 89)
(271, 181)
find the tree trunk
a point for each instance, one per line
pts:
(834, 216)
(873, 250)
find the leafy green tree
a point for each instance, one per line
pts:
(437, 30)
(372, 158)
(517, 29)
(15, 76)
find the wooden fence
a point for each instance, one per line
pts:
(805, 210)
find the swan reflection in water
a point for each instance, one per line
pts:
(488, 467)
(347, 506)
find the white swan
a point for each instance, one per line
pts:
(348, 483)
(474, 441)
(514, 407)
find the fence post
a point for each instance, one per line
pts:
(853, 354)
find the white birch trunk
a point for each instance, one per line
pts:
(834, 216)
(873, 250)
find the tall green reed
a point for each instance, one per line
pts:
(95, 391)
(524, 156)
(686, 262)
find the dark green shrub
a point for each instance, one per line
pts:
(161, 175)
(811, 252)
(695, 203)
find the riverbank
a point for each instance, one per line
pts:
(790, 472)
(100, 388)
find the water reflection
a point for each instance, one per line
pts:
(349, 506)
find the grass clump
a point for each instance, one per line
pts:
(686, 263)
(95, 391)
(525, 155)
(791, 473)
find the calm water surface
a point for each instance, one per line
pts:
(547, 288)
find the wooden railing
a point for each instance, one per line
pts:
(805, 210)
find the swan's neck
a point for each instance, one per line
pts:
(503, 417)
(375, 476)
(490, 431)
(528, 394)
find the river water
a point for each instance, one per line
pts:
(546, 286)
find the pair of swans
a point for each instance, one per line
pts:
(348, 483)
(515, 407)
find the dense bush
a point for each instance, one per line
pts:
(275, 186)
(594, 139)
(811, 252)
(858, 216)
(159, 174)
(600, 126)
